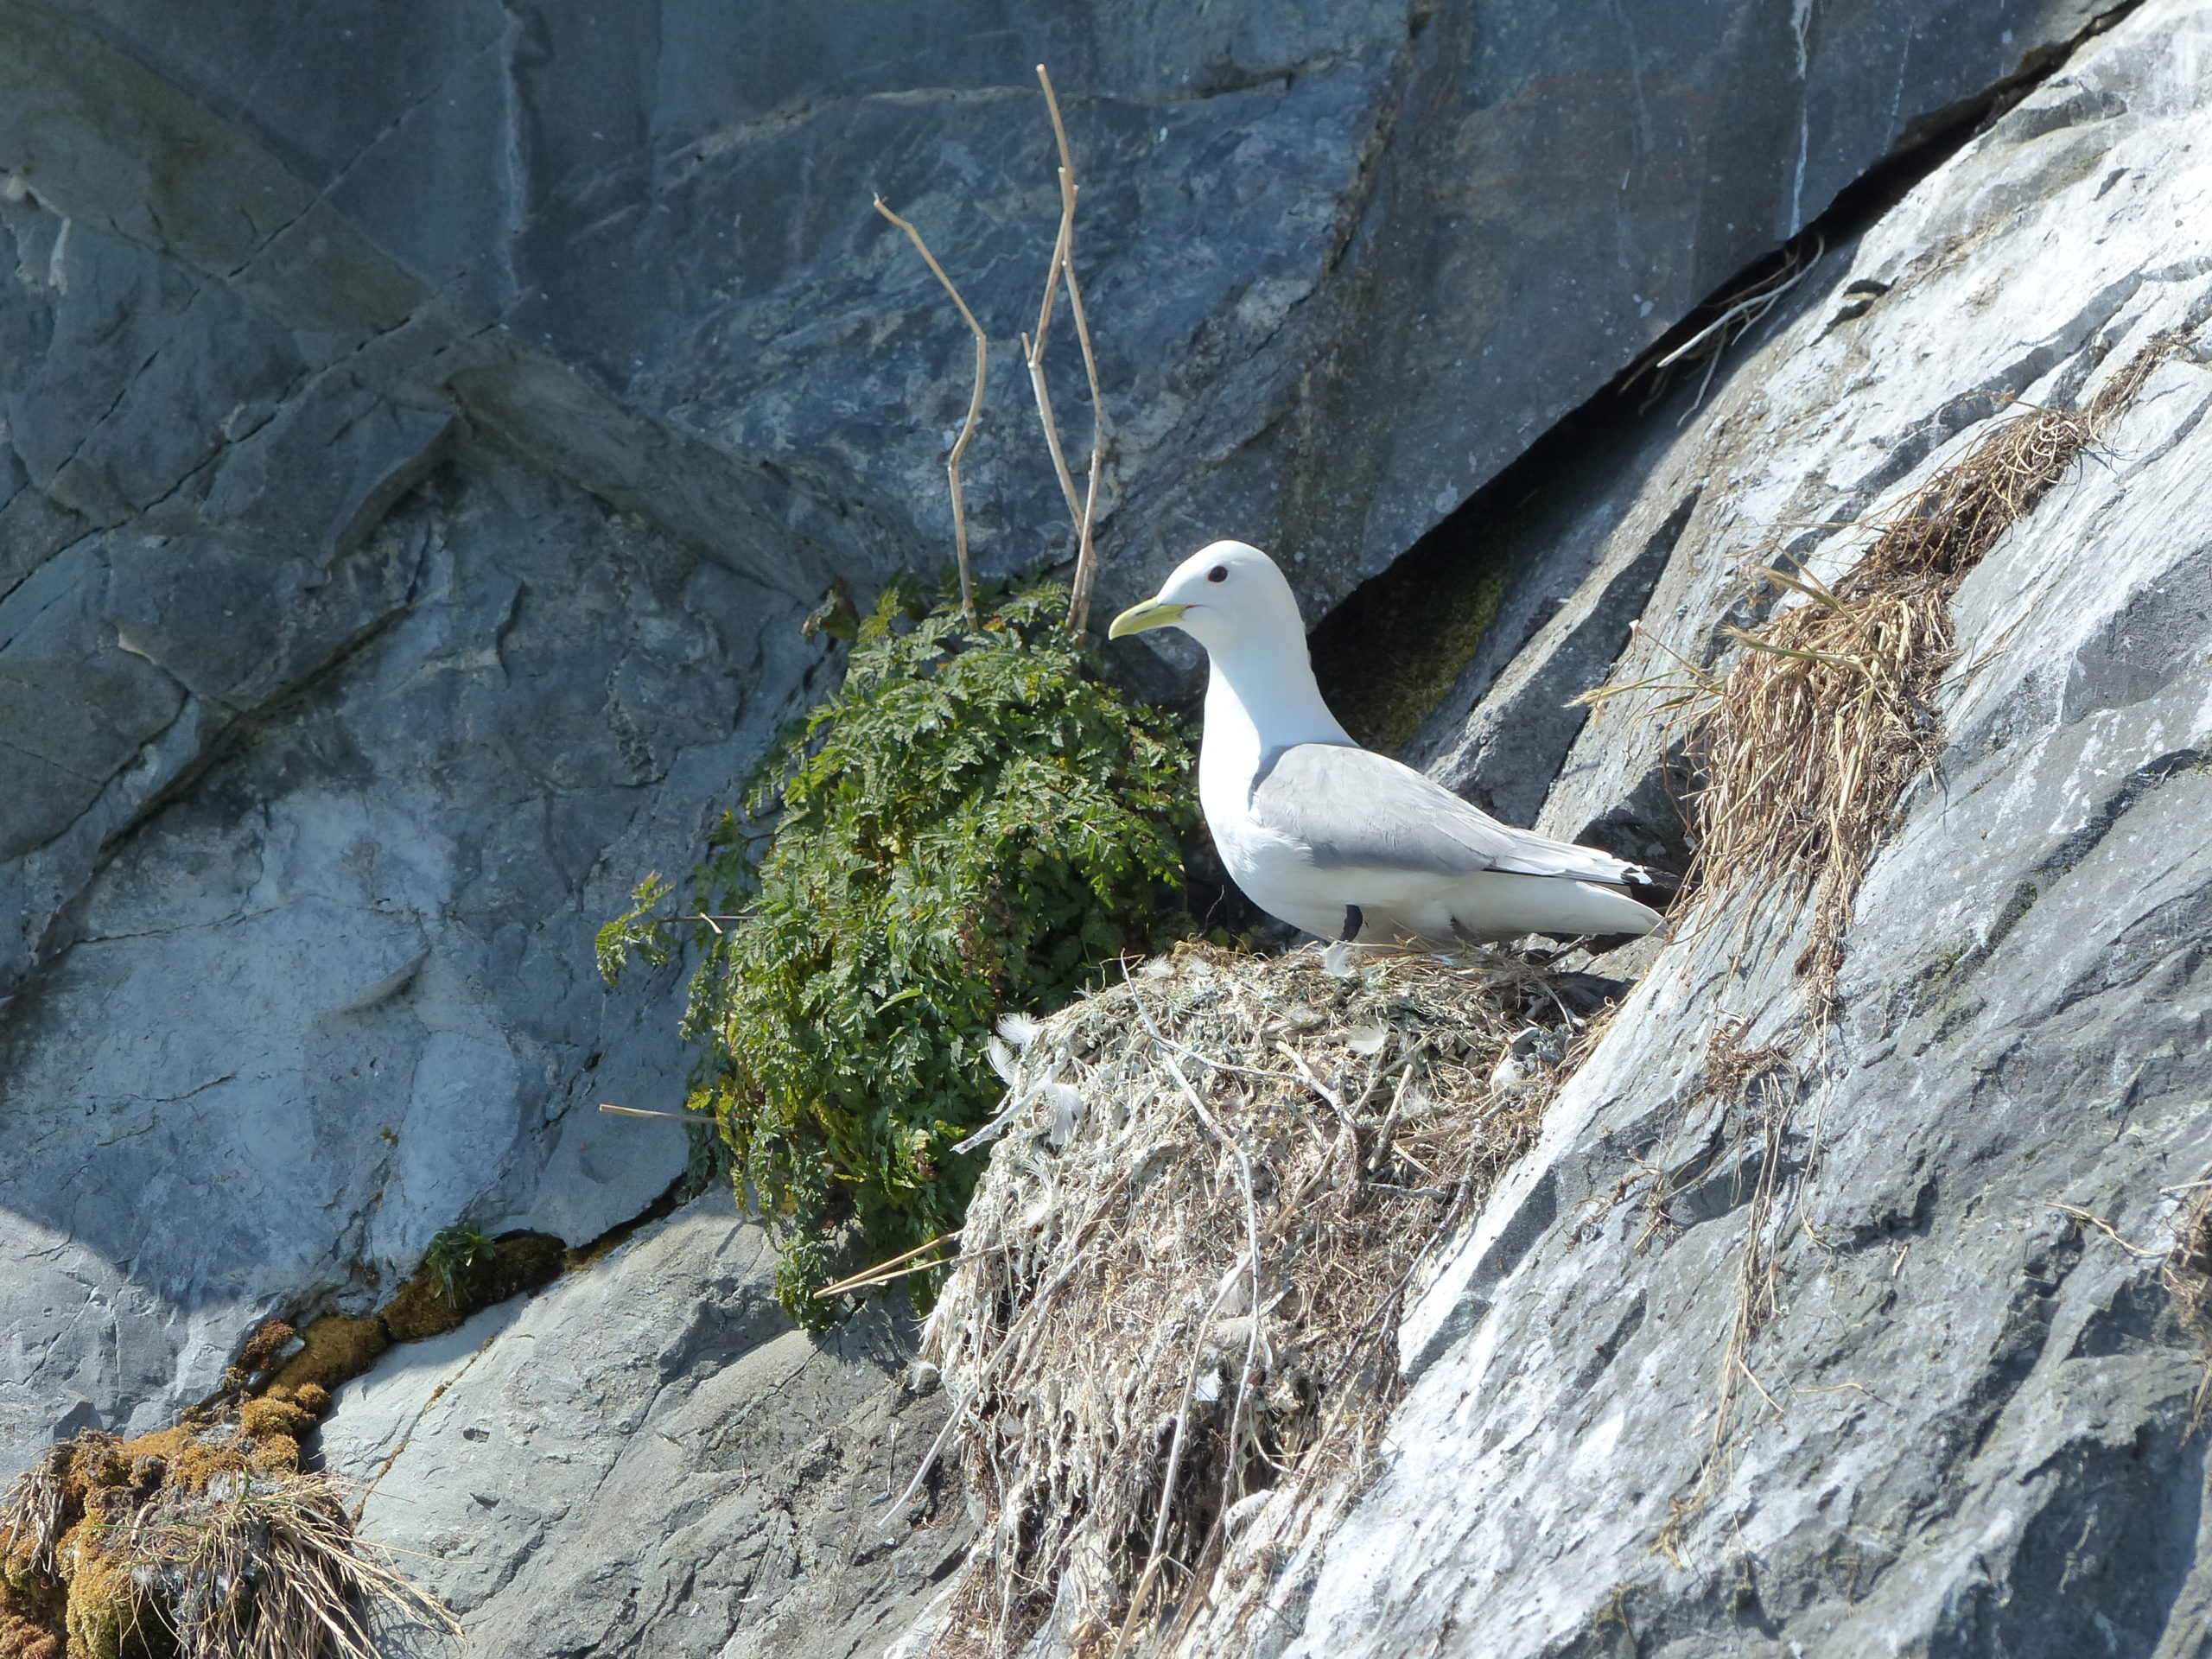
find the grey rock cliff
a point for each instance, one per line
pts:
(1963, 1428)
(423, 428)
(1349, 259)
(647, 1458)
(407, 503)
(1976, 1442)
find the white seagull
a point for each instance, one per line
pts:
(1337, 839)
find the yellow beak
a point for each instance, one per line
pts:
(1152, 614)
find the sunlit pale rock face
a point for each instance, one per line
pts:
(1976, 1442)
(407, 503)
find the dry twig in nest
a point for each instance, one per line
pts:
(1175, 1331)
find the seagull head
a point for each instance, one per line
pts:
(1225, 595)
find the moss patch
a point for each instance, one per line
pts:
(1394, 649)
(74, 1580)
(339, 1348)
(34, 1611)
(440, 1296)
(199, 1540)
(168, 1546)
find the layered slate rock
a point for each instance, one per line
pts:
(1958, 1415)
(425, 424)
(650, 1458)
(1346, 260)
(1978, 1437)
(328, 745)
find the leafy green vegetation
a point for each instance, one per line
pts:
(973, 824)
(455, 1251)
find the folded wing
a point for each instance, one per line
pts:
(1351, 808)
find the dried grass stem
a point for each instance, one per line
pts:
(1809, 742)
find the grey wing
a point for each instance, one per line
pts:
(1352, 808)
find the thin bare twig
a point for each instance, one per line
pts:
(1033, 353)
(868, 1275)
(2087, 1219)
(1086, 564)
(1747, 311)
(666, 1117)
(975, 411)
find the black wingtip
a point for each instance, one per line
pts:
(1656, 888)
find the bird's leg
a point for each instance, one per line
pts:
(1353, 922)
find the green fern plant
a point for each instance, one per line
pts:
(973, 823)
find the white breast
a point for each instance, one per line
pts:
(1273, 872)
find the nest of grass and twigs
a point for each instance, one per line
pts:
(1807, 745)
(206, 1540)
(1179, 1287)
(974, 821)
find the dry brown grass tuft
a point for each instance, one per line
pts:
(206, 1540)
(1808, 743)
(1758, 1088)
(1181, 1281)
(266, 1567)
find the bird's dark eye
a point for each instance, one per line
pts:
(1219, 573)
